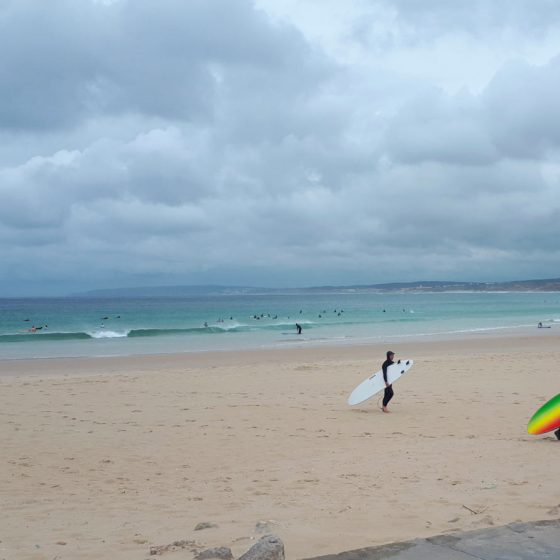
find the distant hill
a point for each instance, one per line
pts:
(548, 285)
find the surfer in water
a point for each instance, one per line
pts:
(388, 395)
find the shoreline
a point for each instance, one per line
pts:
(487, 341)
(110, 456)
(415, 342)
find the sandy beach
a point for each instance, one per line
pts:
(107, 457)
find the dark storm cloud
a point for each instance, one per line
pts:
(73, 60)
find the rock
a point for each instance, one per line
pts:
(268, 547)
(205, 525)
(221, 552)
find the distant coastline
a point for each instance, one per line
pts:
(546, 285)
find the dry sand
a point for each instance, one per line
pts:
(103, 458)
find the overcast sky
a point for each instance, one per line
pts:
(277, 142)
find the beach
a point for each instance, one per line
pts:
(107, 457)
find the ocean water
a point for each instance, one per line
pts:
(66, 327)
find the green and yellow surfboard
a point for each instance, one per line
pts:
(547, 418)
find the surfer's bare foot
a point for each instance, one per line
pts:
(384, 409)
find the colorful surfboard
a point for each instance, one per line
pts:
(547, 418)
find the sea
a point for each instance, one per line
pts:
(88, 327)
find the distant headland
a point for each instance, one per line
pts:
(547, 285)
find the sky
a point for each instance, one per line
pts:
(277, 143)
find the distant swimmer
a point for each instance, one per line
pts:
(298, 327)
(205, 324)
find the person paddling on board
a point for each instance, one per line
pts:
(388, 395)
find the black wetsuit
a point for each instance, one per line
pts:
(388, 390)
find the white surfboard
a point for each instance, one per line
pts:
(372, 385)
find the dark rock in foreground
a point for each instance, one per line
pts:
(268, 547)
(221, 552)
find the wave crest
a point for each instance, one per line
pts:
(108, 334)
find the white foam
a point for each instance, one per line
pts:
(108, 334)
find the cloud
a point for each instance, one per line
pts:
(437, 127)
(81, 59)
(523, 110)
(517, 115)
(427, 20)
(212, 141)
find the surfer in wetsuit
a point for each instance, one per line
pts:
(388, 395)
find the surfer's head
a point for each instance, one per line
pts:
(390, 354)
